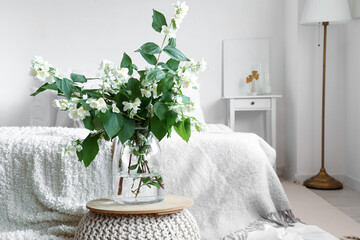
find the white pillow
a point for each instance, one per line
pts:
(195, 96)
(42, 113)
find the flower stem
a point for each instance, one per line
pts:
(162, 45)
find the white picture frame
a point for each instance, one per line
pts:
(239, 57)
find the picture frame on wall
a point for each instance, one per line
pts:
(246, 67)
(355, 7)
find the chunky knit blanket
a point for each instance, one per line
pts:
(229, 175)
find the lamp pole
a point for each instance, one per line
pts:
(322, 180)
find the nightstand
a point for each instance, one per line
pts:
(254, 103)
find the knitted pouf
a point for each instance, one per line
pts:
(181, 225)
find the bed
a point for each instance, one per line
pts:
(229, 175)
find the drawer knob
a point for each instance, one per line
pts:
(252, 103)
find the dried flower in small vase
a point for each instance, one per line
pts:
(254, 75)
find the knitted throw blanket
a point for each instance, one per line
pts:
(230, 176)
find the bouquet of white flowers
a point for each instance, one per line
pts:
(127, 97)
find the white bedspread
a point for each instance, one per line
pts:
(229, 176)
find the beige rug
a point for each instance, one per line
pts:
(314, 210)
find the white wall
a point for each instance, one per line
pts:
(353, 105)
(78, 34)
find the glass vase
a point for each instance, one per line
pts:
(137, 169)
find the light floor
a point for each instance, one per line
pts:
(346, 199)
(314, 210)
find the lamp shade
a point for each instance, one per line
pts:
(333, 11)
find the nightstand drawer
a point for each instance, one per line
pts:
(252, 103)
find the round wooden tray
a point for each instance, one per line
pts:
(171, 204)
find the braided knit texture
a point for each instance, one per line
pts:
(96, 226)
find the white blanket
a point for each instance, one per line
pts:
(229, 176)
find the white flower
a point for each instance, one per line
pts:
(137, 103)
(101, 105)
(33, 72)
(169, 31)
(76, 146)
(181, 10)
(62, 104)
(115, 109)
(187, 78)
(202, 65)
(127, 105)
(78, 113)
(42, 75)
(106, 64)
(122, 74)
(56, 103)
(132, 106)
(154, 90)
(59, 74)
(74, 100)
(85, 96)
(145, 92)
(179, 100)
(201, 126)
(37, 60)
(93, 103)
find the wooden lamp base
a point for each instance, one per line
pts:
(323, 181)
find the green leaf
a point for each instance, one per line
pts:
(79, 155)
(133, 167)
(159, 20)
(167, 97)
(90, 149)
(183, 128)
(127, 129)
(78, 78)
(174, 53)
(172, 42)
(91, 93)
(126, 61)
(113, 122)
(134, 87)
(173, 64)
(156, 184)
(145, 179)
(150, 48)
(170, 119)
(185, 99)
(158, 128)
(88, 123)
(160, 110)
(155, 74)
(165, 85)
(151, 59)
(44, 87)
(65, 86)
(97, 123)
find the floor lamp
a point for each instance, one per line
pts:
(324, 12)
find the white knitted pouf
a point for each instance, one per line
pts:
(181, 225)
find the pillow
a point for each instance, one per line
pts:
(42, 113)
(195, 97)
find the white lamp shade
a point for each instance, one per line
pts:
(333, 11)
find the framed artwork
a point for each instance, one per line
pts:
(356, 9)
(246, 67)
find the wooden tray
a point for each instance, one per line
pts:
(171, 204)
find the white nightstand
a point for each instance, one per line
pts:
(254, 103)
